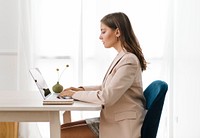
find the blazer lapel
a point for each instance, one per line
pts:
(114, 63)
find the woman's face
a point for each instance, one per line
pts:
(108, 36)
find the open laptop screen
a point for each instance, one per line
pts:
(40, 82)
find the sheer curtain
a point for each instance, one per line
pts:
(181, 57)
(26, 60)
(186, 68)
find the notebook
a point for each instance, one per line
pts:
(50, 98)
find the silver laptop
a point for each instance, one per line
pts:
(48, 96)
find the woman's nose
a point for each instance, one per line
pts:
(100, 37)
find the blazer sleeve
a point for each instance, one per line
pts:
(91, 88)
(117, 83)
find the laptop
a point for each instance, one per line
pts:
(50, 98)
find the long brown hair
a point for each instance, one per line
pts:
(127, 36)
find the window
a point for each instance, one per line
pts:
(67, 33)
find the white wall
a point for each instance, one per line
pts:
(8, 44)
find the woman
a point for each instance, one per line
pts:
(121, 92)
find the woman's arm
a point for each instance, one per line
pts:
(71, 90)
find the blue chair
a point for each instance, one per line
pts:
(155, 96)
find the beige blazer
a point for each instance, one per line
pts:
(121, 96)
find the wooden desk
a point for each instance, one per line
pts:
(26, 106)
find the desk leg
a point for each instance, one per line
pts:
(54, 125)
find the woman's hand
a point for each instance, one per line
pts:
(70, 91)
(67, 93)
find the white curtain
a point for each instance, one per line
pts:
(182, 65)
(25, 43)
(186, 66)
(25, 60)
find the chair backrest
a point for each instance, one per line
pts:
(155, 96)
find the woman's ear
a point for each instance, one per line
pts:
(117, 32)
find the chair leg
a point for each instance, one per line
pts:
(66, 117)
